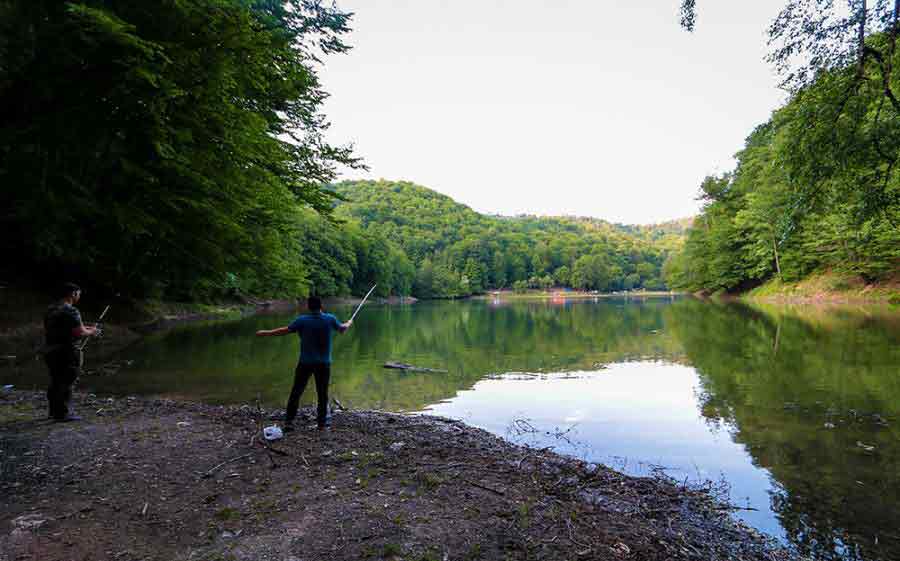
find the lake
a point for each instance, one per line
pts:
(794, 413)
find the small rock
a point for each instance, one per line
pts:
(866, 447)
(397, 446)
(829, 425)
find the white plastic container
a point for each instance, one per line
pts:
(273, 432)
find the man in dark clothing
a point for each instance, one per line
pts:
(62, 330)
(315, 330)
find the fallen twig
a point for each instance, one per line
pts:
(225, 463)
(587, 548)
(485, 487)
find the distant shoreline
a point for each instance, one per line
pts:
(573, 295)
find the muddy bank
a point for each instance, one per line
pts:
(145, 479)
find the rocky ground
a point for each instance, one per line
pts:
(144, 479)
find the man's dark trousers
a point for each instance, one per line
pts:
(64, 369)
(322, 373)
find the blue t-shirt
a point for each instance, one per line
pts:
(315, 331)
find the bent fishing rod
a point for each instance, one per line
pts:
(99, 326)
(358, 308)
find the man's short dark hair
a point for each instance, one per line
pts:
(67, 289)
(314, 303)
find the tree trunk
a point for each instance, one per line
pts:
(777, 263)
(862, 38)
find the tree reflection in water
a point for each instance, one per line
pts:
(814, 398)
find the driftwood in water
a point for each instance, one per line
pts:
(410, 367)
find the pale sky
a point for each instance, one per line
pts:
(603, 108)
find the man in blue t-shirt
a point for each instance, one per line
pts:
(315, 330)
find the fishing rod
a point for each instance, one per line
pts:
(98, 324)
(358, 308)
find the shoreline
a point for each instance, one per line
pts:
(160, 479)
(836, 299)
(827, 288)
(562, 295)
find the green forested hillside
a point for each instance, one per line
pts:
(411, 239)
(816, 188)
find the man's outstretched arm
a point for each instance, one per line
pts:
(273, 332)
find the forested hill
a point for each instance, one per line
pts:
(816, 189)
(411, 239)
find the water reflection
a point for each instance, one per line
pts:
(224, 363)
(797, 410)
(815, 401)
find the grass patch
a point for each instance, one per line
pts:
(828, 286)
(227, 514)
(16, 412)
(429, 481)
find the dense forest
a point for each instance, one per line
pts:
(164, 149)
(816, 188)
(412, 240)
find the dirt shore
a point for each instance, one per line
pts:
(144, 479)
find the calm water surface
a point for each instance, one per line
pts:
(797, 412)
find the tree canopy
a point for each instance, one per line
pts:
(815, 187)
(843, 55)
(769, 219)
(164, 147)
